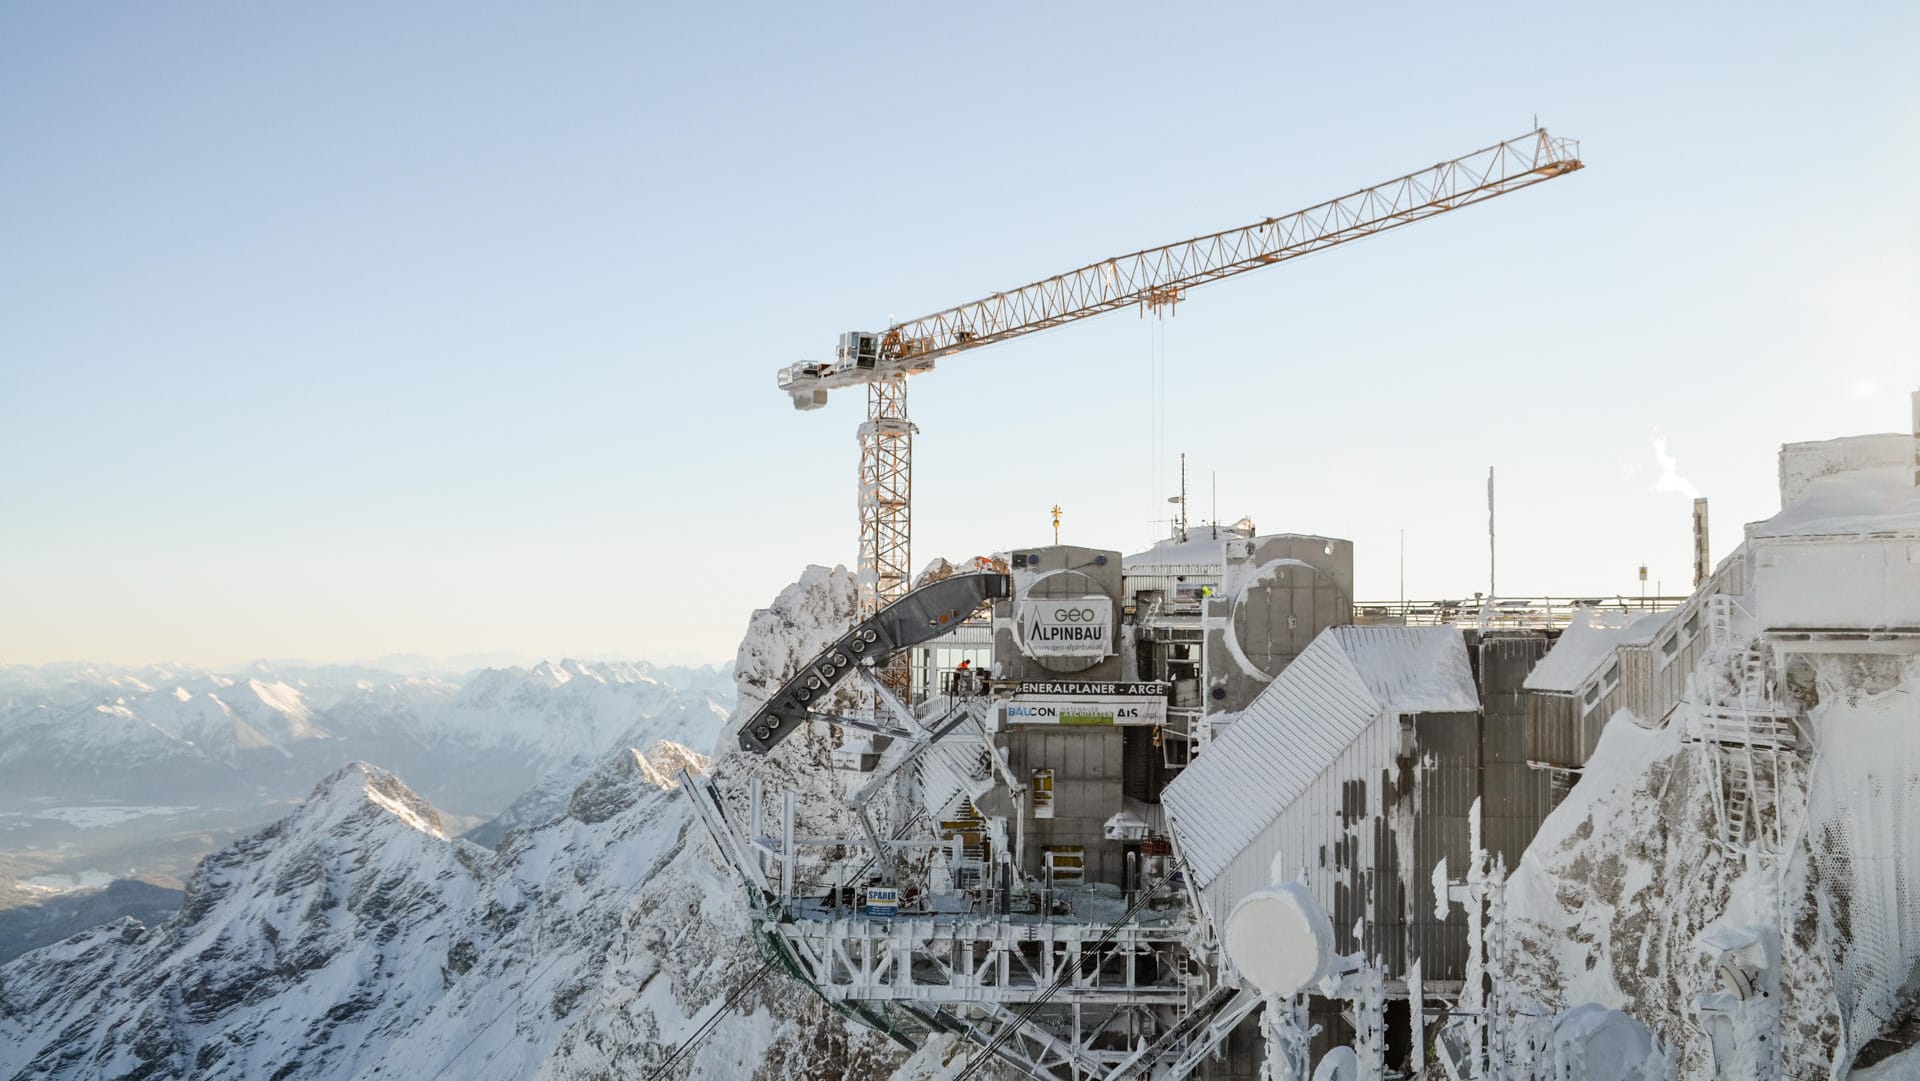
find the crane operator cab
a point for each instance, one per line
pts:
(857, 349)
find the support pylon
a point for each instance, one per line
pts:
(886, 509)
(886, 495)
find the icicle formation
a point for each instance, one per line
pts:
(1367, 989)
(1283, 1024)
(1473, 996)
(1505, 1037)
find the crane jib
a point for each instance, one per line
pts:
(1152, 279)
(1159, 277)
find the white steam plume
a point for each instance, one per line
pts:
(1670, 478)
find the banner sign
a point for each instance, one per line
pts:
(1067, 627)
(1081, 703)
(1080, 687)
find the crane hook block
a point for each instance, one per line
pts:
(921, 616)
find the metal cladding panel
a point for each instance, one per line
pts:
(1348, 678)
(1552, 732)
(1365, 836)
(1636, 681)
(1590, 726)
(1294, 729)
(1311, 835)
(1449, 782)
(1276, 594)
(1508, 791)
(1818, 585)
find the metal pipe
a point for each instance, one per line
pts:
(1702, 557)
(786, 847)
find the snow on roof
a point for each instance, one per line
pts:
(1587, 643)
(1803, 463)
(1881, 499)
(1412, 669)
(1202, 549)
(1341, 683)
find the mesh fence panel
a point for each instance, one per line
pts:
(1863, 818)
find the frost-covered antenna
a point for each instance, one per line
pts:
(1490, 546)
(1179, 522)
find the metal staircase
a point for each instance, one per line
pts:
(1745, 728)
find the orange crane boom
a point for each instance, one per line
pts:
(1154, 278)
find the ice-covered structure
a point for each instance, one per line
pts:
(1737, 864)
(1702, 804)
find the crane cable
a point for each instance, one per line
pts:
(707, 1026)
(1066, 971)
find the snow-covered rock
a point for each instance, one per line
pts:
(356, 940)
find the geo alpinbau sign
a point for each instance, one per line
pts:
(1076, 627)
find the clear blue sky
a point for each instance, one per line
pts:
(335, 330)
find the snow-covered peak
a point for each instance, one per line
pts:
(626, 775)
(360, 790)
(352, 940)
(806, 617)
(549, 674)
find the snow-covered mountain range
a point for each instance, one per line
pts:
(357, 939)
(172, 736)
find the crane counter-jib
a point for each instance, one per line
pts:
(1156, 278)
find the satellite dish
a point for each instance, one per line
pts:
(1601, 1043)
(1339, 1064)
(1280, 939)
(1735, 981)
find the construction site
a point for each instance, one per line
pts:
(1205, 811)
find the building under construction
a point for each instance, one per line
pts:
(1101, 757)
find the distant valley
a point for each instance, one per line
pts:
(128, 776)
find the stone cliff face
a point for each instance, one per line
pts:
(1628, 897)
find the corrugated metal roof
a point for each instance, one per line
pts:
(1299, 725)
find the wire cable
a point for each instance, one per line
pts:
(706, 1027)
(1066, 972)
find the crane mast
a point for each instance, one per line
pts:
(1155, 279)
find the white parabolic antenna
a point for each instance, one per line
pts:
(1339, 1064)
(1280, 939)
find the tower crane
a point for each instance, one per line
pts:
(1156, 279)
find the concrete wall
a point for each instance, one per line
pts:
(1087, 764)
(1258, 622)
(1065, 572)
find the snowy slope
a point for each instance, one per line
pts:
(355, 940)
